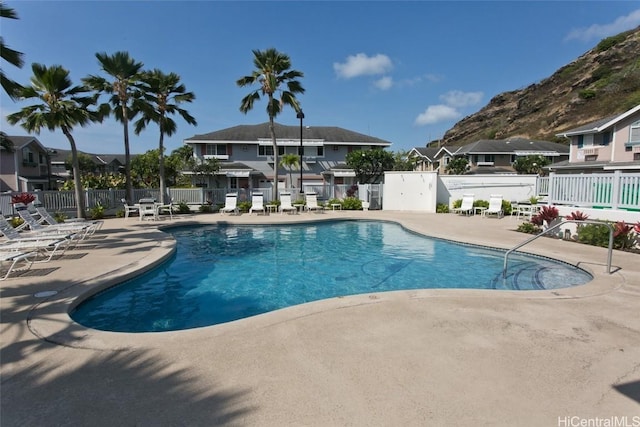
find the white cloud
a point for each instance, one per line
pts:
(363, 65)
(596, 31)
(453, 100)
(458, 99)
(384, 83)
(437, 113)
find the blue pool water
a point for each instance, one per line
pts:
(222, 273)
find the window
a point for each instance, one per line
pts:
(628, 148)
(636, 156)
(216, 150)
(580, 141)
(265, 150)
(606, 138)
(634, 132)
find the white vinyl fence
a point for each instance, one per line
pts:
(601, 191)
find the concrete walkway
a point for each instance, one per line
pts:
(409, 358)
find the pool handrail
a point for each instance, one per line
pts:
(577, 221)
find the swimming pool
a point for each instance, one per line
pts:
(222, 273)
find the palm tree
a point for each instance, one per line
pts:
(271, 73)
(63, 107)
(290, 161)
(125, 73)
(161, 95)
(14, 58)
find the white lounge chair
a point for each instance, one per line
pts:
(129, 209)
(230, 204)
(47, 218)
(311, 203)
(257, 203)
(467, 205)
(46, 246)
(495, 206)
(79, 230)
(285, 204)
(15, 257)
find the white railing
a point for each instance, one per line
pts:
(614, 190)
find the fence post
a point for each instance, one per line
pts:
(615, 193)
(551, 190)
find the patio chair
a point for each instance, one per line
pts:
(148, 208)
(128, 209)
(167, 208)
(467, 205)
(68, 230)
(15, 257)
(45, 246)
(311, 201)
(285, 204)
(495, 206)
(230, 204)
(11, 234)
(257, 203)
(47, 218)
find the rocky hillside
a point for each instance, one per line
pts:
(602, 82)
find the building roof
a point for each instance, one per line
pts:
(598, 165)
(21, 141)
(518, 146)
(428, 152)
(60, 155)
(599, 125)
(251, 133)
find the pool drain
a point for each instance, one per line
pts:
(45, 294)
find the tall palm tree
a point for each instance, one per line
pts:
(271, 73)
(124, 72)
(161, 96)
(62, 106)
(290, 161)
(14, 58)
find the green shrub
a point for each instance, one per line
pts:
(96, 212)
(183, 208)
(457, 203)
(506, 207)
(587, 94)
(442, 208)
(528, 227)
(244, 206)
(334, 202)
(609, 42)
(59, 216)
(480, 203)
(120, 213)
(352, 204)
(598, 235)
(205, 209)
(16, 221)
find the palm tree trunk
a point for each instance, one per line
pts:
(275, 158)
(163, 189)
(77, 182)
(127, 155)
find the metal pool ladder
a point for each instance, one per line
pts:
(589, 221)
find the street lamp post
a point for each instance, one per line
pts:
(300, 151)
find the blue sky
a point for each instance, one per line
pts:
(405, 72)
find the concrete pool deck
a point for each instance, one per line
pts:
(427, 357)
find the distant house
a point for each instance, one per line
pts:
(605, 145)
(432, 158)
(104, 163)
(246, 159)
(492, 155)
(27, 167)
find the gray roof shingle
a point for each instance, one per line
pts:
(261, 131)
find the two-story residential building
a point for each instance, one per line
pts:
(27, 167)
(432, 158)
(103, 163)
(605, 145)
(490, 155)
(245, 154)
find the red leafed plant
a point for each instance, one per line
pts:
(537, 220)
(636, 228)
(25, 198)
(546, 214)
(621, 228)
(578, 216)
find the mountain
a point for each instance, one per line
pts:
(602, 82)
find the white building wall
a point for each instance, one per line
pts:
(410, 191)
(511, 187)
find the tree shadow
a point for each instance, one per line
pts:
(119, 388)
(630, 389)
